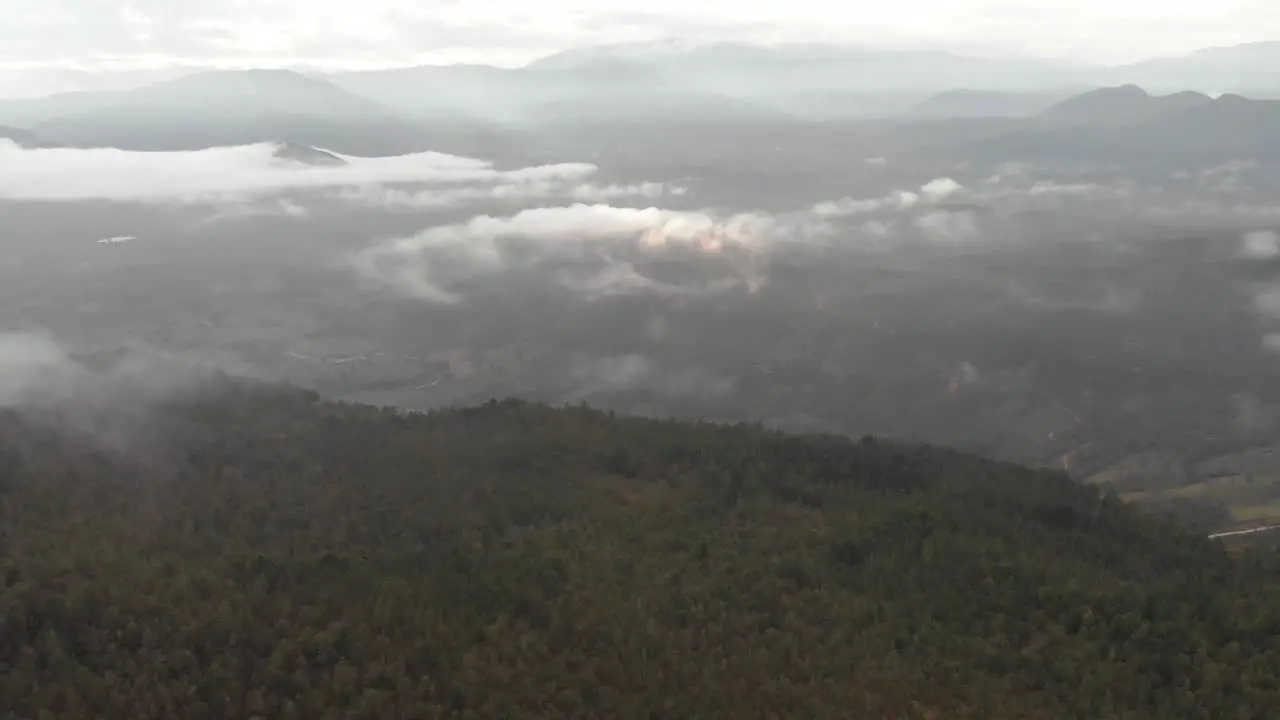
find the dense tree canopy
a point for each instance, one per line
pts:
(242, 551)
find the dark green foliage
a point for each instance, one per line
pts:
(277, 556)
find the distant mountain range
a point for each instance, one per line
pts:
(482, 110)
(233, 108)
(1250, 69)
(738, 69)
(1128, 124)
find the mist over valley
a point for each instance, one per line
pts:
(1075, 282)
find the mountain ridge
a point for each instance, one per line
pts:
(1159, 72)
(1120, 105)
(238, 107)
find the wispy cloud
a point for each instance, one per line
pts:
(568, 187)
(940, 188)
(602, 376)
(422, 265)
(948, 226)
(1260, 244)
(941, 212)
(274, 207)
(29, 364)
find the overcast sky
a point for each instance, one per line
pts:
(116, 33)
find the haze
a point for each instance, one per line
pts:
(49, 46)
(1047, 235)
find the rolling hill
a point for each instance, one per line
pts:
(1118, 106)
(233, 549)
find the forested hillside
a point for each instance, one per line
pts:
(240, 551)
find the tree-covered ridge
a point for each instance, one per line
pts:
(255, 551)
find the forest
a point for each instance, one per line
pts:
(246, 550)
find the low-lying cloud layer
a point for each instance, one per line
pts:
(418, 181)
(394, 198)
(734, 245)
(606, 238)
(1010, 208)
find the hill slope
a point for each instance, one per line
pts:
(21, 138)
(252, 551)
(30, 112)
(1122, 105)
(964, 103)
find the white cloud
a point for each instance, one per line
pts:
(616, 373)
(1019, 203)
(537, 189)
(946, 226)
(876, 229)
(933, 191)
(844, 207)
(417, 266)
(1260, 244)
(248, 209)
(65, 174)
(593, 193)
(966, 375)
(37, 370)
(939, 212)
(617, 277)
(1049, 187)
(627, 372)
(940, 189)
